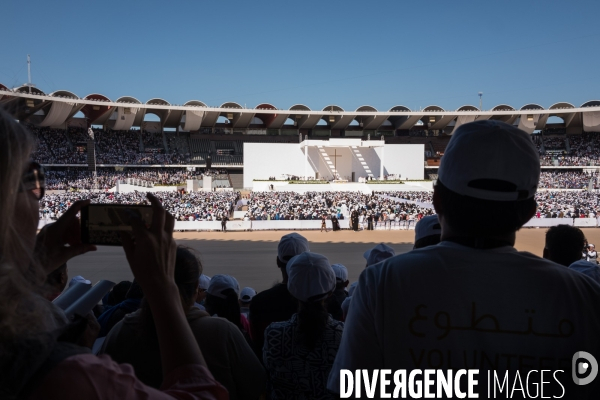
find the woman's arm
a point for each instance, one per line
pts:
(151, 255)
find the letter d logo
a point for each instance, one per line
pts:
(579, 368)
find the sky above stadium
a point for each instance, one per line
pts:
(317, 53)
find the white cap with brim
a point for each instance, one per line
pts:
(341, 272)
(203, 282)
(490, 160)
(247, 294)
(220, 283)
(310, 277)
(291, 245)
(77, 279)
(378, 253)
(427, 226)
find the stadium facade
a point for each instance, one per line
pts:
(215, 136)
(59, 108)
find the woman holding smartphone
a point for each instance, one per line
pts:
(34, 361)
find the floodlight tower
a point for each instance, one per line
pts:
(29, 84)
(480, 96)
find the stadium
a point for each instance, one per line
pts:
(282, 201)
(133, 147)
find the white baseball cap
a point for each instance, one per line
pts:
(341, 272)
(310, 277)
(291, 245)
(203, 282)
(77, 279)
(219, 283)
(491, 160)
(247, 294)
(428, 226)
(378, 254)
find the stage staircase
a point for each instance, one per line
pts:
(237, 180)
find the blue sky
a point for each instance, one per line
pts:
(348, 53)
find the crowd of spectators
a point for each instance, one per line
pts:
(554, 143)
(81, 179)
(195, 206)
(567, 204)
(583, 150)
(57, 146)
(313, 205)
(565, 179)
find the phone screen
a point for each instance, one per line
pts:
(102, 223)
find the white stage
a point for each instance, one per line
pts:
(342, 159)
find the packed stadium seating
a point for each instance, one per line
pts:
(59, 146)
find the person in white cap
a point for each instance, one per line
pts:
(203, 283)
(298, 353)
(334, 303)
(246, 296)
(373, 256)
(222, 301)
(473, 300)
(276, 304)
(378, 253)
(427, 232)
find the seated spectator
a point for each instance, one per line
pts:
(334, 302)
(475, 280)
(427, 232)
(203, 283)
(587, 268)
(34, 363)
(112, 315)
(56, 281)
(117, 294)
(222, 301)
(276, 304)
(378, 254)
(230, 359)
(373, 256)
(298, 354)
(246, 296)
(563, 244)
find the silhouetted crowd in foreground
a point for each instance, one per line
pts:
(439, 320)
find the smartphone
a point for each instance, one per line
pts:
(102, 223)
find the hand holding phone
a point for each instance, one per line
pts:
(102, 223)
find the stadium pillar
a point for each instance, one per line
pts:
(382, 160)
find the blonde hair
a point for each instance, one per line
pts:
(21, 277)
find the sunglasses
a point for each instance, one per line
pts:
(33, 180)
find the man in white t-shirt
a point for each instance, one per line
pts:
(473, 301)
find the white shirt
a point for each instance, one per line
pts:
(451, 306)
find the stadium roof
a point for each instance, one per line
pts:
(57, 108)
